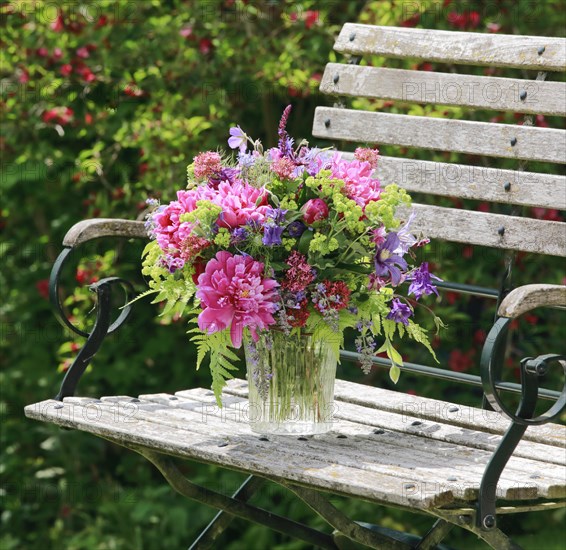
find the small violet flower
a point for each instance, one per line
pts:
(399, 312)
(246, 160)
(387, 261)
(421, 282)
(239, 234)
(296, 228)
(238, 139)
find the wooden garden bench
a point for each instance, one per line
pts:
(452, 462)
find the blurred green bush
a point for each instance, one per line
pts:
(104, 103)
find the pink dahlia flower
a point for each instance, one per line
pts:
(233, 292)
(360, 186)
(240, 203)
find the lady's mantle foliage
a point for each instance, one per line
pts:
(291, 239)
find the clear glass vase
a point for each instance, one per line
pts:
(291, 384)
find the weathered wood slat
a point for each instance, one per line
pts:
(473, 182)
(527, 297)
(499, 50)
(410, 467)
(480, 92)
(395, 454)
(494, 230)
(462, 136)
(87, 230)
(439, 430)
(436, 410)
(356, 452)
(239, 450)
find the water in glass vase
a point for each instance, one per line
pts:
(291, 384)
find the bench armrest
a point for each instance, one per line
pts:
(87, 230)
(527, 297)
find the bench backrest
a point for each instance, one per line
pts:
(486, 139)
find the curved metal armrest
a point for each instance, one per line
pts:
(516, 303)
(80, 233)
(527, 297)
(87, 230)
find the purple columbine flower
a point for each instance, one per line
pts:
(272, 234)
(296, 228)
(387, 262)
(277, 215)
(399, 312)
(421, 282)
(238, 139)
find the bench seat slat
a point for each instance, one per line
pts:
(190, 425)
(462, 136)
(480, 228)
(435, 410)
(480, 92)
(436, 428)
(498, 50)
(234, 446)
(396, 453)
(472, 182)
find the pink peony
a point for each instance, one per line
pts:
(169, 231)
(360, 186)
(233, 292)
(314, 210)
(240, 203)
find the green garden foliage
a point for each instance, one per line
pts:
(103, 104)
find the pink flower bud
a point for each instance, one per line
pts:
(314, 210)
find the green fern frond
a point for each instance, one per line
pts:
(420, 335)
(142, 295)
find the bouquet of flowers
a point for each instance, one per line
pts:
(294, 239)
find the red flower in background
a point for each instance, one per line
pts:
(83, 52)
(24, 76)
(58, 115)
(58, 24)
(466, 20)
(412, 21)
(66, 69)
(102, 22)
(205, 46)
(460, 361)
(42, 287)
(311, 17)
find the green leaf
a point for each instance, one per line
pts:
(394, 373)
(305, 240)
